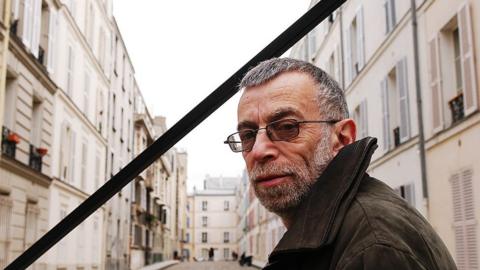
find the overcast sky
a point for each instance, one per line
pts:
(183, 50)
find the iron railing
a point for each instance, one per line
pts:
(211, 103)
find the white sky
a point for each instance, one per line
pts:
(183, 50)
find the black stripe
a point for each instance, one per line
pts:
(211, 103)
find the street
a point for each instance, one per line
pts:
(209, 266)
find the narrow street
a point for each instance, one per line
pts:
(209, 266)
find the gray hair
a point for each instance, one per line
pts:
(330, 97)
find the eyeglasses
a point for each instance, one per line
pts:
(281, 130)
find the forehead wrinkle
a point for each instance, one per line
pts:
(283, 112)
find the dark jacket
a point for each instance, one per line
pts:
(350, 220)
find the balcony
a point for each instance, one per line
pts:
(35, 158)
(456, 108)
(9, 142)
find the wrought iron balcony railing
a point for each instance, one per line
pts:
(456, 108)
(9, 142)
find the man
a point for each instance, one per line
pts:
(304, 165)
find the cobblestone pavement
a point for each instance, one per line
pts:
(209, 266)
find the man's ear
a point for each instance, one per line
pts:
(344, 133)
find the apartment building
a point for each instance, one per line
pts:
(79, 70)
(28, 111)
(119, 130)
(258, 230)
(212, 219)
(377, 70)
(144, 216)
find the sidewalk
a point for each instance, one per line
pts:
(159, 265)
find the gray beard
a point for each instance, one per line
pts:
(283, 199)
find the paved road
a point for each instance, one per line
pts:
(209, 266)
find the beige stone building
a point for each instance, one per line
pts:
(212, 220)
(27, 109)
(368, 46)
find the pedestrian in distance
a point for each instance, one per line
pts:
(305, 165)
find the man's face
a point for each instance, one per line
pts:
(282, 172)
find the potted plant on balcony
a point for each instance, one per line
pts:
(42, 151)
(13, 137)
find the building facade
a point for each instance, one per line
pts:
(212, 220)
(378, 73)
(26, 160)
(258, 230)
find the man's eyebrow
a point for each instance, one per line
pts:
(247, 125)
(282, 113)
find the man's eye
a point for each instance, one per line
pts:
(284, 126)
(246, 135)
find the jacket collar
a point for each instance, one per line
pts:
(321, 214)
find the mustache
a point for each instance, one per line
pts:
(269, 169)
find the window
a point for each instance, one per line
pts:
(32, 12)
(97, 170)
(204, 237)
(50, 42)
(99, 110)
(84, 169)
(188, 222)
(395, 106)
(226, 205)
(137, 235)
(204, 253)
(121, 125)
(355, 47)
(226, 253)
(451, 52)
(407, 192)
(67, 158)
(204, 205)
(226, 237)
(89, 24)
(390, 16)
(204, 221)
(5, 218)
(187, 237)
(464, 220)
(37, 121)
(361, 118)
(70, 70)
(114, 108)
(86, 93)
(333, 64)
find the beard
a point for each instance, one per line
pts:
(285, 197)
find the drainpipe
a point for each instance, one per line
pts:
(4, 51)
(421, 136)
(342, 52)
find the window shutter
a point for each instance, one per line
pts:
(348, 56)
(27, 22)
(464, 222)
(386, 5)
(52, 29)
(36, 26)
(468, 67)
(337, 64)
(71, 174)
(363, 119)
(385, 115)
(402, 86)
(63, 152)
(435, 85)
(360, 39)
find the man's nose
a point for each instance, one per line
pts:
(263, 149)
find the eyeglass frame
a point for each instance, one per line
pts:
(255, 131)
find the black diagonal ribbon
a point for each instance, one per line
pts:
(211, 103)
